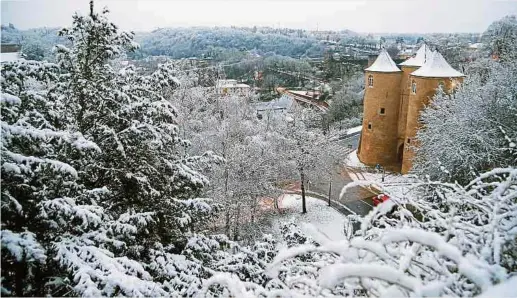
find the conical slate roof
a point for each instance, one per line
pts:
(383, 63)
(422, 55)
(437, 67)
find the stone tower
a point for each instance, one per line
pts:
(408, 66)
(378, 144)
(423, 84)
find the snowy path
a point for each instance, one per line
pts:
(319, 219)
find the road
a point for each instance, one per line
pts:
(358, 199)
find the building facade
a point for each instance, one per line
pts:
(393, 100)
(232, 87)
(10, 52)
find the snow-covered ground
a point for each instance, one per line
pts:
(393, 182)
(353, 161)
(354, 130)
(320, 219)
(363, 172)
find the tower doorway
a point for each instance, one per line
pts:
(400, 154)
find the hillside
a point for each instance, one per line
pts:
(216, 42)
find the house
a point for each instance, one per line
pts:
(475, 46)
(10, 52)
(305, 98)
(232, 87)
(280, 106)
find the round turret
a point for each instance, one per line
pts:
(423, 85)
(378, 143)
(410, 65)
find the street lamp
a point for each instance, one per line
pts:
(378, 167)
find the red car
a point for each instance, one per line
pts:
(380, 199)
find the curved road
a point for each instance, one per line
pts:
(358, 199)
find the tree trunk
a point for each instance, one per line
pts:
(330, 189)
(226, 198)
(302, 178)
(254, 210)
(236, 230)
(19, 278)
(227, 226)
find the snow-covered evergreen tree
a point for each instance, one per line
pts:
(467, 132)
(38, 180)
(96, 188)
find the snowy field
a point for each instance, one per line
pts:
(320, 219)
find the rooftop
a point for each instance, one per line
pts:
(10, 52)
(436, 67)
(282, 103)
(230, 84)
(422, 55)
(9, 57)
(383, 63)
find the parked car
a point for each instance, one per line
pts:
(378, 199)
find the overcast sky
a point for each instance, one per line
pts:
(399, 16)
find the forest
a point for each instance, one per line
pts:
(202, 42)
(121, 181)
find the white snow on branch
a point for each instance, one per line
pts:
(435, 241)
(9, 99)
(333, 275)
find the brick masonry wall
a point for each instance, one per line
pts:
(405, 88)
(425, 90)
(379, 144)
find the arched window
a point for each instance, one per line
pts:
(370, 81)
(413, 87)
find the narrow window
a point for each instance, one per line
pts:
(413, 87)
(382, 111)
(408, 140)
(370, 81)
(369, 125)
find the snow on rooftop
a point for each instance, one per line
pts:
(284, 102)
(476, 46)
(383, 63)
(230, 84)
(437, 67)
(9, 57)
(422, 55)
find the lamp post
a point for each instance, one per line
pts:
(378, 167)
